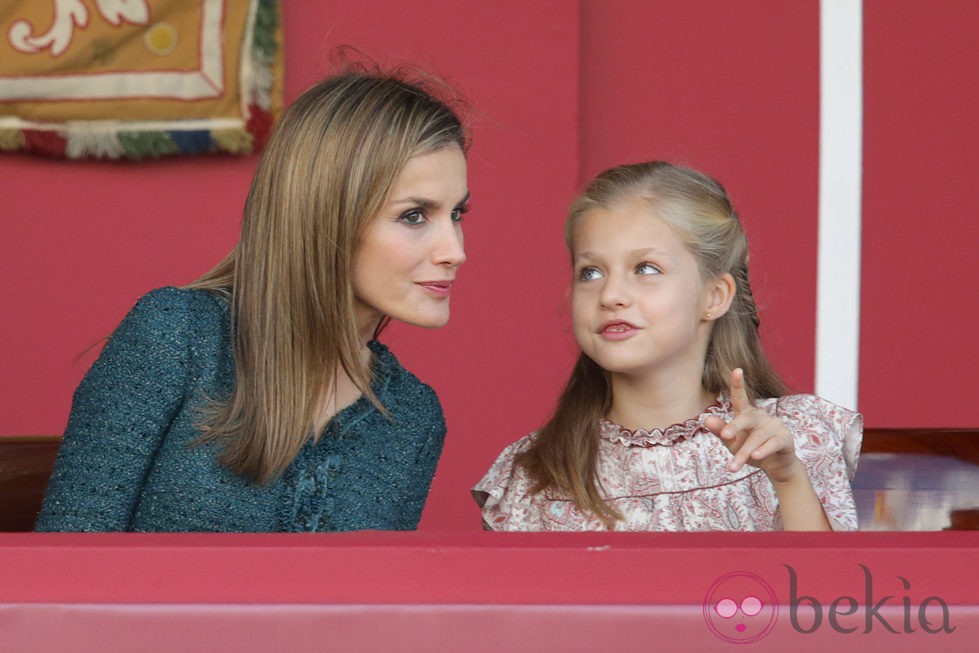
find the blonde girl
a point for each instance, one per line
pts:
(673, 419)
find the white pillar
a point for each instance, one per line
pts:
(840, 164)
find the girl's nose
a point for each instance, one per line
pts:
(614, 293)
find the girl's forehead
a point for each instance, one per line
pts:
(623, 223)
(624, 232)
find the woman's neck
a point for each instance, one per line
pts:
(338, 395)
(648, 404)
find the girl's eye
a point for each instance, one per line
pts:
(413, 217)
(458, 212)
(589, 274)
(647, 269)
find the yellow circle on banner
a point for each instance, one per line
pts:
(161, 38)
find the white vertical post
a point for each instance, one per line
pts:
(840, 164)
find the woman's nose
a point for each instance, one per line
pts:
(448, 249)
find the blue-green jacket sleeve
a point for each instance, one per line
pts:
(120, 413)
(427, 460)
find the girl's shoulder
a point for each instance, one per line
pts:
(819, 425)
(503, 468)
(806, 405)
(508, 501)
(504, 476)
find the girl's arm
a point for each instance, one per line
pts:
(798, 503)
(756, 438)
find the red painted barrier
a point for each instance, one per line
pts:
(489, 591)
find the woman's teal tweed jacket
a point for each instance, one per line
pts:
(128, 461)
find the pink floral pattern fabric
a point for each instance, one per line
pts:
(676, 479)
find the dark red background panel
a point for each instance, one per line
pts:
(918, 346)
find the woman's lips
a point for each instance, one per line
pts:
(438, 289)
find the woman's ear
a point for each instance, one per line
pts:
(718, 295)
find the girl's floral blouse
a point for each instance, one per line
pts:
(676, 479)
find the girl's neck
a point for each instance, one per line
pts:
(642, 404)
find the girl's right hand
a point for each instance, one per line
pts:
(755, 437)
(761, 440)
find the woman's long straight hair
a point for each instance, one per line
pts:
(564, 455)
(324, 175)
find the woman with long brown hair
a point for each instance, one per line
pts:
(673, 418)
(258, 397)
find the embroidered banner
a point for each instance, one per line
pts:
(138, 78)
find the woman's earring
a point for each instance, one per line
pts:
(707, 316)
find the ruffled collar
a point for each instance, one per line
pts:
(671, 435)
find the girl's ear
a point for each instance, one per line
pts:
(718, 296)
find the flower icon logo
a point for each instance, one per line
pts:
(740, 608)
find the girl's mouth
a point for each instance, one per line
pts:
(617, 330)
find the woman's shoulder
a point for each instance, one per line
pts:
(171, 311)
(394, 377)
(180, 304)
(165, 326)
(411, 400)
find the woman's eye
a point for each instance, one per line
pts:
(458, 212)
(413, 217)
(647, 268)
(589, 274)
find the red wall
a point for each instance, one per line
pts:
(919, 352)
(731, 88)
(560, 92)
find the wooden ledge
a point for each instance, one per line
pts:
(956, 443)
(26, 462)
(25, 465)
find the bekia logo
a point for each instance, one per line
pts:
(741, 608)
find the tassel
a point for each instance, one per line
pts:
(264, 45)
(197, 141)
(46, 142)
(262, 87)
(233, 141)
(101, 144)
(11, 139)
(139, 145)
